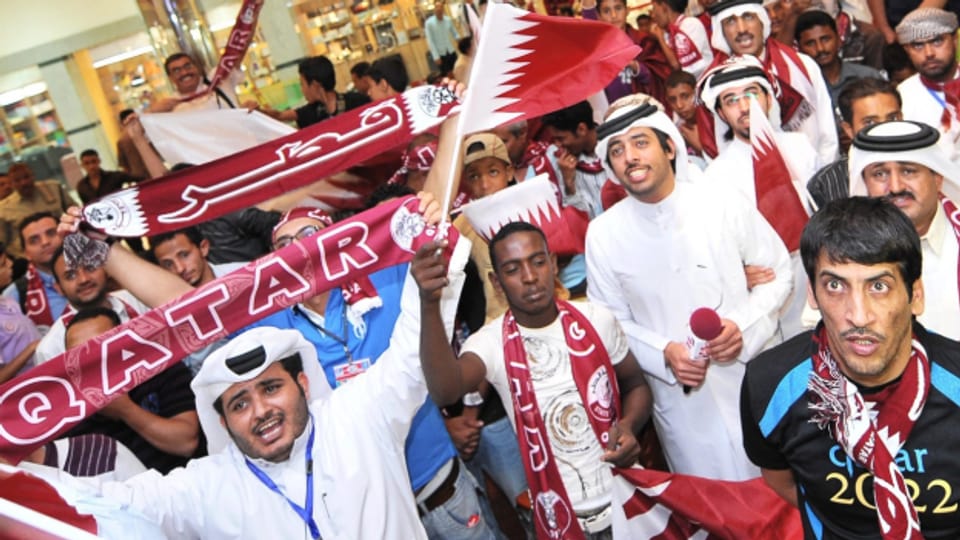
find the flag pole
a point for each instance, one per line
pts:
(465, 107)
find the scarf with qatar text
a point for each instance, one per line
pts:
(42, 403)
(596, 382)
(873, 439)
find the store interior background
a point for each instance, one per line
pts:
(68, 68)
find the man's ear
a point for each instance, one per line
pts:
(918, 302)
(56, 286)
(204, 247)
(495, 281)
(304, 383)
(847, 128)
(582, 129)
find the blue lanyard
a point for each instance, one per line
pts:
(305, 513)
(939, 99)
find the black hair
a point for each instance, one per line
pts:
(360, 69)
(88, 313)
(193, 234)
(32, 218)
(569, 118)
(509, 229)
(643, 17)
(464, 44)
(678, 77)
(895, 58)
(392, 70)
(125, 113)
(862, 230)
(292, 364)
(678, 6)
(89, 152)
(860, 88)
(812, 18)
(386, 192)
(318, 69)
(177, 56)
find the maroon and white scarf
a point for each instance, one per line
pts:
(36, 303)
(953, 216)
(840, 409)
(797, 95)
(685, 48)
(597, 383)
(237, 44)
(951, 95)
(77, 383)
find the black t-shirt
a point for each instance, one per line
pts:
(166, 394)
(311, 113)
(836, 495)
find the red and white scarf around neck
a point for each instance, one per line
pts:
(951, 97)
(953, 216)
(596, 382)
(839, 408)
(36, 303)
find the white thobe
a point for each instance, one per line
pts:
(733, 169)
(921, 104)
(652, 265)
(820, 127)
(361, 489)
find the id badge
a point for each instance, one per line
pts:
(344, 372)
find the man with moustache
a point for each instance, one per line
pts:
(847, 422)
(289, 459)
(817, 37)
(187, 77)
(932, 95)
(666, 250)
(902, 162)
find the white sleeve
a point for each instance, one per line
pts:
(759, 245)
(394, 388)
(603, 289)
(698, 34)
(51, 344)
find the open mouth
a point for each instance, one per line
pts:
(269, 430)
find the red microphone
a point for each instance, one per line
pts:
(705, 324)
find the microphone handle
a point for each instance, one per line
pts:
(695, 345)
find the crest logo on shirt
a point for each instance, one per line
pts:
(600, 395)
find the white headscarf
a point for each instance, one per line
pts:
(655, 118)
(215, 377)
(748, 65)
(906, 141)
(722, 10)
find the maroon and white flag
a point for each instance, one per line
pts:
(49, 399)
(777, 196)
(666, 506)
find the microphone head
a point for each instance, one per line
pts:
(705, 324)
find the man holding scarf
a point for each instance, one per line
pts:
(742, 28)
(569, 373)
(848, 422)
(902, 162)
(932, 95)
(666, 250)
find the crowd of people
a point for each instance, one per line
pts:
(788, 165)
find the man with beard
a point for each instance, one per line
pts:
(83, 287)
(29, 198)
(932, 95)
(185, 252)
(847, 422)
(817, 37)
(288, 458)
(742, 27)
(902, 162)
(670, 248)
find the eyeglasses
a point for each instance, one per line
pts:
(731, 100)
(286, 240)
